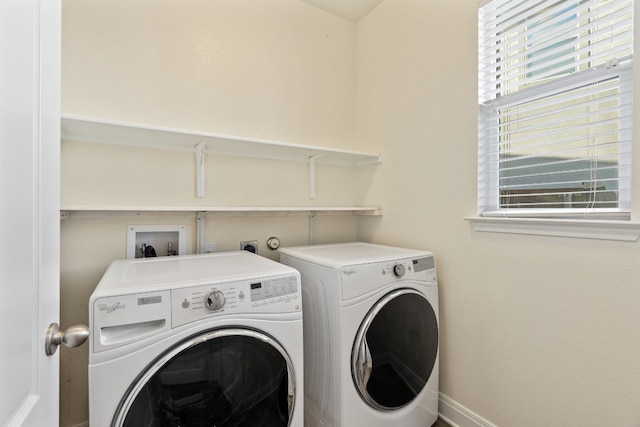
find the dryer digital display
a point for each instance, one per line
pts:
(422, 264)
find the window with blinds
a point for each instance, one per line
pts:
(555, 108)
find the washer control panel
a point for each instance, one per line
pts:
(278, 294)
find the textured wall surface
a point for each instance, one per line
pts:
(534, 330)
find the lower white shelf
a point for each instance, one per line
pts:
(67, 212)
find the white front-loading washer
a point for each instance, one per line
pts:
(197, 340)
(371, 334)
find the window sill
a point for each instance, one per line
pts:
(585, 229)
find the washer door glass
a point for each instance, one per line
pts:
(395, 350)
(229, 377)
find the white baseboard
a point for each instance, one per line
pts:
(458, 416)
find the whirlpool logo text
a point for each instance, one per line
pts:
(110, 308)
(349, 271)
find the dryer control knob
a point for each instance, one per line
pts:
(398, 270)
(214, 300)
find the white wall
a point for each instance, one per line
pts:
(279, 70)
(535, 331)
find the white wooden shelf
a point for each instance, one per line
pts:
(139, 211)
(86, 129)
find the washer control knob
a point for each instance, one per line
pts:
(398, 270)
(214, 300)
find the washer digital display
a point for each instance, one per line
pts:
(273, 288)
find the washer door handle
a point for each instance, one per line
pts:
(364, 365)
(74, 336)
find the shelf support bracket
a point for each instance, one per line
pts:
(312, 228)
(200, 224)
(312, 176)
(200, 168)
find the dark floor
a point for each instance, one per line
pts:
(441, 423)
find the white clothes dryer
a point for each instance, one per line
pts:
(371, 334)
(196, 340)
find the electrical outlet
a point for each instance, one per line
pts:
(210, 247)
(249, 245)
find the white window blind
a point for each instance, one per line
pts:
(555, 108)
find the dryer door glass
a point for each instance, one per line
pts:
(395, 350)
(229, 377)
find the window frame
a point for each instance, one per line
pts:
(489, 189)
(486, 175)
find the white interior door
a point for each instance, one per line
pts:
(29, 214)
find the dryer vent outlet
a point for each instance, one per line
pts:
(249, 245)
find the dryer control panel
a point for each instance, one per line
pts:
(423, 268)
(278, 294)
(360, 279)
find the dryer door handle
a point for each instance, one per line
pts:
(291, 392)
(364, 365)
